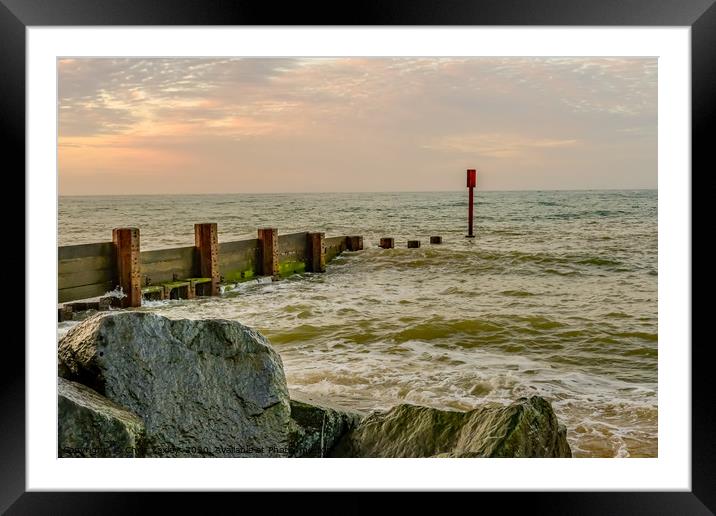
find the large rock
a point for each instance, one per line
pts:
(526, 428)
(204, 388)
(90, 425)
(317, 425)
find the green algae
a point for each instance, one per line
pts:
(291, 267)
(175, 284)
(238, 276)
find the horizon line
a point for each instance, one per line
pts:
(359, 192)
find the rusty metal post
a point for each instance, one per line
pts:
(268, 243)
(387, 243)
(126, 242)
(354, 243)
(316, 244)
(471, 183)
(64, 313)
(206, 240)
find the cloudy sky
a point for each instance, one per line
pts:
(130, 126)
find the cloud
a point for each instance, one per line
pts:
(249, 115)
(497, 145)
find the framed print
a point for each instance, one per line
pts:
(436, 249)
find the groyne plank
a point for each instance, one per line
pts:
(84, 292)
(292, 253)
(334, 246)
(293, 247)
(87, 277)
(86, 270)
(164, 264)
(238, 260)
(69, 252)
(89, 263)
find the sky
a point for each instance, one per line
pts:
(225, 125)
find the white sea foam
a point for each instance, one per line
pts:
(118, 293)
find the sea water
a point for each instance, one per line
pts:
(556, 296)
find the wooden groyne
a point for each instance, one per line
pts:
(92, 270)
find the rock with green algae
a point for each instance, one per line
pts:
(90, 425)
(317, 425)
(526, 428)
(203, 388)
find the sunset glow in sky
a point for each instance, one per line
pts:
(205, 125)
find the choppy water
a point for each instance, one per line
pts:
(556, 296)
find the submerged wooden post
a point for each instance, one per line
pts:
(471, 183)
(316, 252)
(268, 243)
(387, 243)
(206, 240)
(354, 243)
(64, 313)
(436, 240)
(126, 242)
(413, 244)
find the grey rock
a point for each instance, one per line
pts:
(316, 425)
(204, 388)
(526, 428)
(90, 425)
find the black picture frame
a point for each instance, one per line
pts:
(16, 15)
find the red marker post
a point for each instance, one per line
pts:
(471, 183)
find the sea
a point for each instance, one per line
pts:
(555, 296)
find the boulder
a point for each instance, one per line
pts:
(90, 425)
(317, 425)
(526, 428)
(204, 388)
